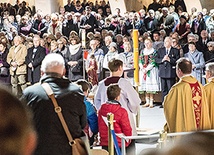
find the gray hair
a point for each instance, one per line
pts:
(165, 9)
(191, 35)
(210, 43)
(210, 68)
(151, 11)
(52, 62)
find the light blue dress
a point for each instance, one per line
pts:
(197, 60)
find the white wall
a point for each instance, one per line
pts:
(193, 3)
(117, 4)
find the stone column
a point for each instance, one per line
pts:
(191, 4)
(47, 6)
(207, 4)
(117, 4)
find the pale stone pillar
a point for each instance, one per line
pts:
(207, 4)
(47, 6)
(191, 4)
(117, 4)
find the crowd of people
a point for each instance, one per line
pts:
(107, 36)
(51, 48)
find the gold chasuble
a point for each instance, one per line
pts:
(209, 89)
(185, 107)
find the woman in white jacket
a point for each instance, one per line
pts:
(112, 53)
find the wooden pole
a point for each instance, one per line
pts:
(136, 57)
(136, 67)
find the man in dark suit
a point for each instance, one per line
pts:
(34, 58)
(167, 21)
(69, 25)
(198, 24)
(180, 3)
(69, 7)
(88, 22)
(154, 5)
(202, 42)
(40, 25)
(166, 59)
(151, 23)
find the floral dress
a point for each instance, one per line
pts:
(148, 74)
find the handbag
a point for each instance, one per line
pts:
(77, 144)
(4, 71)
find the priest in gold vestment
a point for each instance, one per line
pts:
(209, 89)
(185, 106)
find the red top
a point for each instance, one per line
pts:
(121, 124)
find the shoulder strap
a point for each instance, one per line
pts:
(58, 110)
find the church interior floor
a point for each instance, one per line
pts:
(151, 122)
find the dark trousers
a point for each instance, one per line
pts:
(166, 84)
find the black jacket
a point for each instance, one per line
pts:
(180, 3)
(52, 139)
(202, 47)
(41, 26)
(76, 72)
(169, 23)
(36, 60)
(201, 26)
(92, 21)
(69, 26)
(3, 60)
(154, 25)
(167, 69)
(69, 8)
(154, 6)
